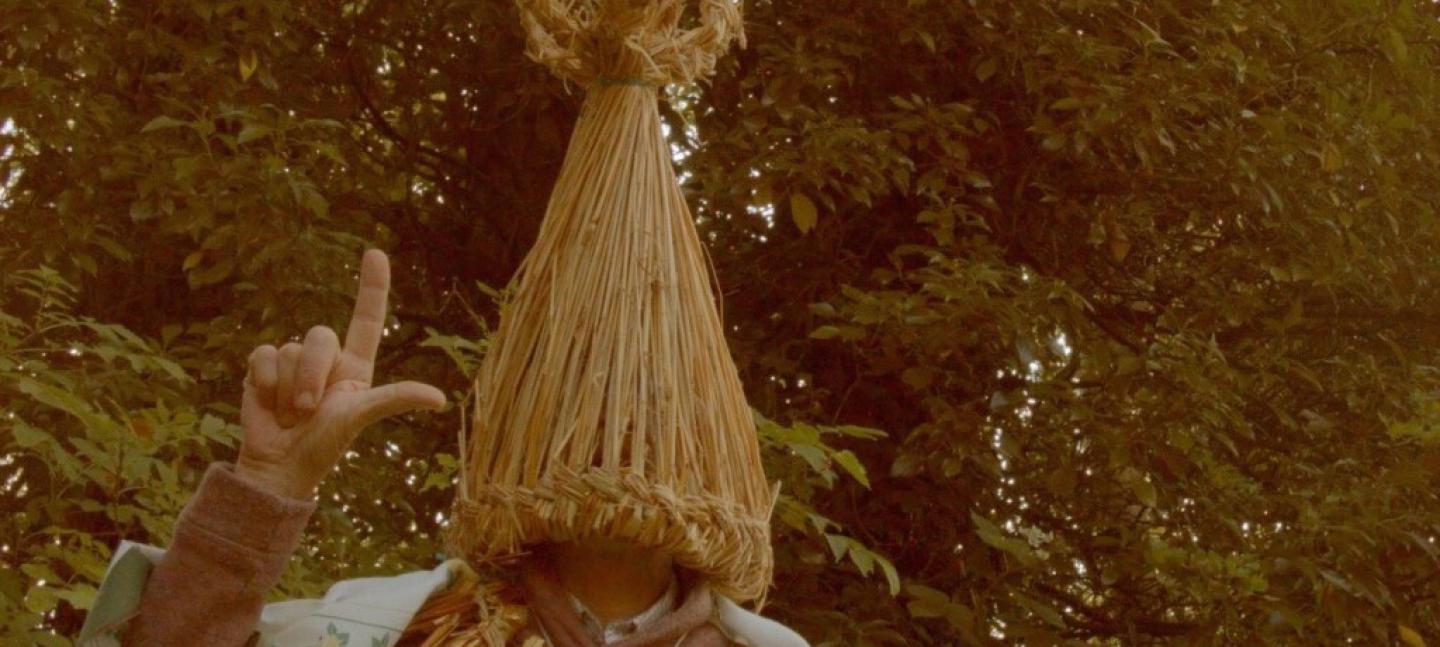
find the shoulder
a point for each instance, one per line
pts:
(750, 629)
(370, 610)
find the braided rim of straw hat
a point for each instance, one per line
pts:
(715, 537)
(636, 42)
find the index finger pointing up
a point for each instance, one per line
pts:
(367, 324)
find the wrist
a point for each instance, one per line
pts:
(270, 479)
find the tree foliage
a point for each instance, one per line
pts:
(1085, 322)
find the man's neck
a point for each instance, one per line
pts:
(614, 580)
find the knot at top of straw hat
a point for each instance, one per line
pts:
(630, 42)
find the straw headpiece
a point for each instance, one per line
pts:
(608, 405)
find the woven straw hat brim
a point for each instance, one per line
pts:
(717, 538)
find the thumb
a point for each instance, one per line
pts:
(394, 399)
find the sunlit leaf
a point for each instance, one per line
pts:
(803, 211)
(161, 123)
(1410, 636)
(249, 61)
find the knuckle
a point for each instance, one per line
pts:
(308, 373)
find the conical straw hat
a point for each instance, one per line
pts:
(608, 404)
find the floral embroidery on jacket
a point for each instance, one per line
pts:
(333, 638)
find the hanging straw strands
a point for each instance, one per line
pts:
(472, 612)
(608, 404)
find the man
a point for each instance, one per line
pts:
(303, 405)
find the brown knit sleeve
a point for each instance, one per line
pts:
(231, 544)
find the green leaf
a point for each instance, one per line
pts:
(985, 70)
(27, 436)
(823, 309)
(161, 123)
(248, 62)
(213, 274)
(211, 426)
(1044, 611)
(313, 202)
(892, 576)
(41, 599)
(252, 132)
(851, 464)
(1066, 104)
(996, 538)
(1142, 488)
(185, 167)
(803, 211)
(59, 399)
(856, 431)
(838, 545)
(141, 210)
(330, 152)
(918, 377)
(926, 602)
(39, 571)
(929, 41)
(825, 332)
(80, 597)
(1398, 49)
(817, 459)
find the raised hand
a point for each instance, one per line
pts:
(305, 403)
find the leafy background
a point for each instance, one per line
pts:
(1074, 322)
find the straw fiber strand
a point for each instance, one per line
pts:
(635, 40)
(608, 404)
